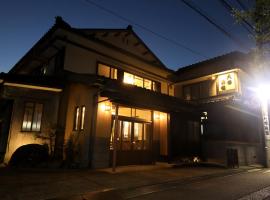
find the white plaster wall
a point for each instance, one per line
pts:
(17, 137)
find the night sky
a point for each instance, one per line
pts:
(23, 22)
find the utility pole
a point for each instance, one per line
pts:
(258, 18)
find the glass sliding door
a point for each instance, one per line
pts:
(133, 141)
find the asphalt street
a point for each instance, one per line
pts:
(252, 184)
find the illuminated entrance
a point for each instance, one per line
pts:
(133, 141)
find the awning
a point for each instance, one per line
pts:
(32, 82)
(143, 98)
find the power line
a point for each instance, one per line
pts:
(145, 28)
(246, 24)
(241, 4)
(220, 28)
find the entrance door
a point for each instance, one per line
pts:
(133, 142)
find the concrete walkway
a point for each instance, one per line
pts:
(42, 184)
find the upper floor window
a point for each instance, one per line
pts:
(140, 82)
(222, 84)
(197, 90)
(32, 117)
(107, 71)
(113, 73)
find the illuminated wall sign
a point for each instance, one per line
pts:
(226, 82)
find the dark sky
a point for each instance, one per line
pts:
(23, 22)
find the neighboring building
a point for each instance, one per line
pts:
(78, 88)
(230, 117)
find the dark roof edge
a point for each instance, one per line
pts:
(130, 29)
(59, 23)
(189, 67)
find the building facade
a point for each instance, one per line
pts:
(230, 118)
(100, 96)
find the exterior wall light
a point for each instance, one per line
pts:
(106, 107)
(162, 116)
(156, 116)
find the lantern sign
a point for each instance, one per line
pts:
(226, 82)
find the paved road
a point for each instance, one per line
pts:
(228, 187)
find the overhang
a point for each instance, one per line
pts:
(139, 97)
(45, 83)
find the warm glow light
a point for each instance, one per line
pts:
(156, 116)
(226, 82)
(113, 110)
(213, 78)
(106, 107)
(162, 116)
(33, 87)
(159, 116)
(128, 78)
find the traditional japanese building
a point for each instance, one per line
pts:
(78, 88)
(100, 96)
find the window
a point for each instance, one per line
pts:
(197, 90)
(133, 112)
(76, 118)
(79, 118)
(131, 135)
(107, 71)
(128, 78)
(82, 117)
(32, 117)
(147, 84)
(141, 82)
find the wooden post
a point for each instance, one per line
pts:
(115, 135)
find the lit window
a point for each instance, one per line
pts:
(76, 118)
(138, 81)
(143, 114)
(113, 73)
(32, 117)
(82, 117)
(124, 111)
(147, 84)
(107, 71)
(128, 78)
(104, 70)
(37, 117)
(126, 130)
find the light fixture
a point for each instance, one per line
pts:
(156, 116)
(106, 107)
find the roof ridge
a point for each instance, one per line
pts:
(208, 60)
